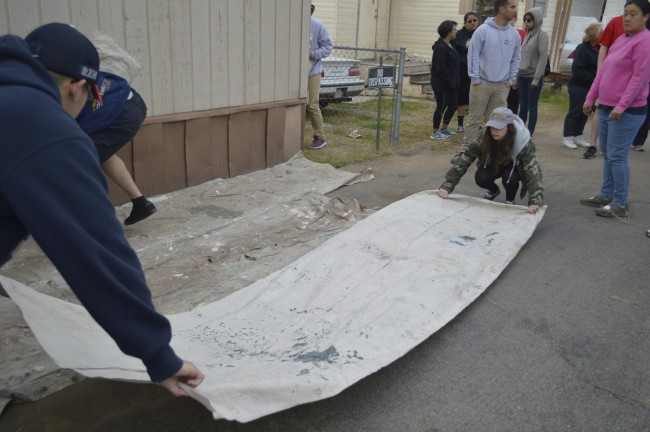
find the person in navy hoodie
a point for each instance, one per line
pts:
(52, 188)
(112, 120)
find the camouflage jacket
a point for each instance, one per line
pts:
(525, 162)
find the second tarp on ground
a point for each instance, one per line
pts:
(353, 305)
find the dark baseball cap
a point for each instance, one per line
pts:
(63, 49)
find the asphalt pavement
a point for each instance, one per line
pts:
(559, 342)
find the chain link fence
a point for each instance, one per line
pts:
(354, 111)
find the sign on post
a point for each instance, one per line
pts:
(381, 77)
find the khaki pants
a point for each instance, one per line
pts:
(313, 109)
(483, 99)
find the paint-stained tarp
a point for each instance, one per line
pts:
(353, 305)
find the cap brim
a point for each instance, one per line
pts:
(496, 123)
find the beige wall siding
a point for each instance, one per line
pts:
(416, 24)
(195, 55)
(346, 23)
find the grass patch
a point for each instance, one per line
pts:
(340, 120)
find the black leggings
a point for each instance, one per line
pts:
(485, 178)
(447, 100)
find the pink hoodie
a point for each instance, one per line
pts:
(622, 80)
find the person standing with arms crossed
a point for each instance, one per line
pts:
(461, 44)
(320, 47)
(52, 188)
(493, 63)
(445, 79)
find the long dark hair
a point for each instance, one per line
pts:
(498, 153)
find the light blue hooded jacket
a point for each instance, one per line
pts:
(320, 45)
(494, 54)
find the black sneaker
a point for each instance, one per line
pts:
(490, 195)
(590, 153)
(140, 212)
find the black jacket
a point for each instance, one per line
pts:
(583, 70)
(445, 67)
(461, 44)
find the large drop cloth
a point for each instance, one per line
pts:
(351, 306)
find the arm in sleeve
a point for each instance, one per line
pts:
(324, 45)
(473, 56)
(12, 232)
(438, 65)
(515, 62)
(59, 195)
(640, 76)
(455, 173)
(542, 49)
(532, 175)
(594, 89)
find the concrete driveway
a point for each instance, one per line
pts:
(559, 342)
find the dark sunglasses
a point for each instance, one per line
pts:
(529, 20)
(472, 21)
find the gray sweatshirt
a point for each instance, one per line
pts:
(320, 45)
(534, 49)
(494, 54)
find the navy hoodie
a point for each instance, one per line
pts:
(52, 187)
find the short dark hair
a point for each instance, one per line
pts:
(446, 27)
(498, 4)
(469, 14)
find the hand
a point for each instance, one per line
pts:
(476, 84)
(443, 193)
(188, 374)
(532, 209)
(311, 55)
(514, 86)
(533, 86)
(615, 115)
(586, 110)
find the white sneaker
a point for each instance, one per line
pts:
(579, 140)
(568, 142)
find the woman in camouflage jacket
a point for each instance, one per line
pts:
(505, 151)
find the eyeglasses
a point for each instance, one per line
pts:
(472, 21)
(528, 20)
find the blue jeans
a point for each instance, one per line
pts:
(616, 137)
(528, 100)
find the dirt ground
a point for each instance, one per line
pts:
(559, 342)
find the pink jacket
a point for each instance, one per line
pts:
(622, 80)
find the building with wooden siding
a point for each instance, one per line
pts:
(414, 23)
(225, 81)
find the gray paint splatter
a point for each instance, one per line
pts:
(329, 355)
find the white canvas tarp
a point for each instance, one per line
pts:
(349, 307)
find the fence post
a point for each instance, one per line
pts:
(398, 101)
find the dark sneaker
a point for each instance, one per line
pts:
(590, 153)
(595, 201)
(318, 143)
(140, 212)
(613, 210)
(647, 233)
(490, 195)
